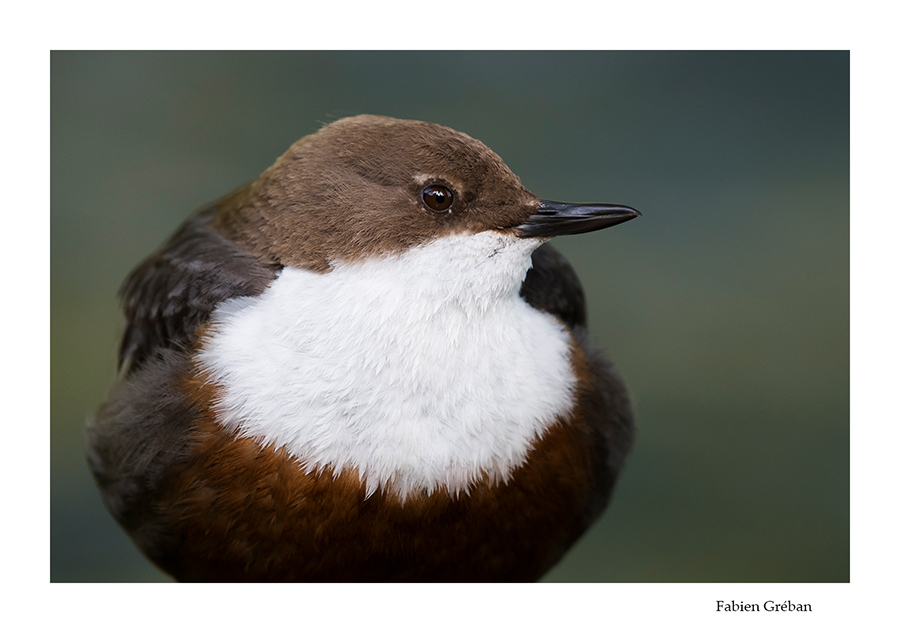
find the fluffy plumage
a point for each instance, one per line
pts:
(421, 371)
(324, 379)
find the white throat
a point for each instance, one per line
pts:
(422, 371)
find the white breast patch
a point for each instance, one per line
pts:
(422, 371)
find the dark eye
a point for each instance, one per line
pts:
(437, 197)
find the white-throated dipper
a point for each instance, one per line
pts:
(366, 365)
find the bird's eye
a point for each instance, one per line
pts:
(437, 197)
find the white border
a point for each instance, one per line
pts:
(864, 28)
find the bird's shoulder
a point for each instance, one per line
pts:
(552, 286)
(174, 290)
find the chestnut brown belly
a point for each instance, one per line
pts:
(241, 512)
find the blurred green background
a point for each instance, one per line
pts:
(726, 307)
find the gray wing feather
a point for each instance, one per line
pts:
(172, 292)
(553, 287)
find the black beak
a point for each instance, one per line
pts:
(563, 218)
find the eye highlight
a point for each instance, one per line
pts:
(437, 197)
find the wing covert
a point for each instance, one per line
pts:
(553, 287)
(174, 290)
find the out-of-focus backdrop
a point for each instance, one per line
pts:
(726, 306)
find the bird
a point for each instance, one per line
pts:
(366, 365)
